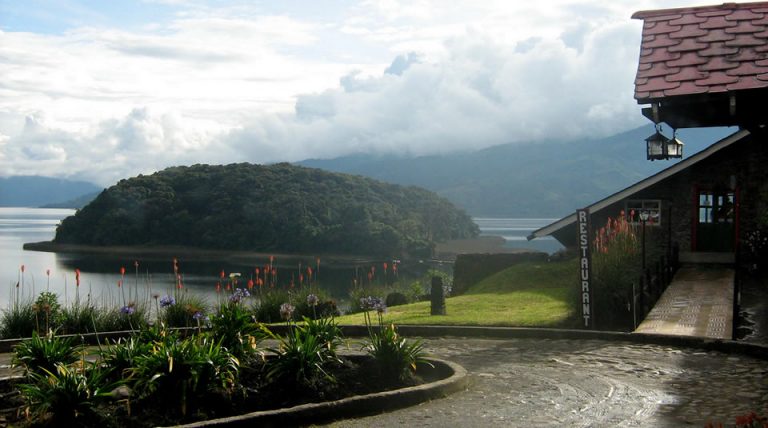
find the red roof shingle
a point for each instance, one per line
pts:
(703, 49)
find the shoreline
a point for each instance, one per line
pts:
(188, 253)
(444, 252)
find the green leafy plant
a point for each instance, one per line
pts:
(234, 327)
(314, 303)
(395, 356)
(129, 317)
(17, 321)
(47, 311)
(44, 353)
(305, 353)
(182, 372)
(65, 394)
(302, 359)
(79, 318)
(118, 358)
(267, 309)
(326, 330)
(179, 310)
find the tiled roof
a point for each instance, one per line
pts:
(710, 49)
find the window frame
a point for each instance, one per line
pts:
(654, 206)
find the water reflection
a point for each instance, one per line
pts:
(100, 273)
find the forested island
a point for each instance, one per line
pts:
(267, 208)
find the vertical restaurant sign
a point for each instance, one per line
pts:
(585, 267)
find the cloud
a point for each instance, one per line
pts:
(482, 93)
(244, 83)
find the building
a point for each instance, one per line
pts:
(699, 67)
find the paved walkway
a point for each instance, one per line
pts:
(586, 383)
(698, 302)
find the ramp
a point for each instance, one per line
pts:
(698, 302)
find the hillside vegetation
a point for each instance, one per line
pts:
(267, 208)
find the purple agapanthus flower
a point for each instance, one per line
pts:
(380, 306)
(166, 301)
(199, 316)
(238, 295)
(312, 300)
(286, 311)
(127, 310)
(371, 302)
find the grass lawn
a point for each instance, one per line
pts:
(528, 294)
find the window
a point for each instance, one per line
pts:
(716, 207)
(633, 207)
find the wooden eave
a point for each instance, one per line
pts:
(745, 109)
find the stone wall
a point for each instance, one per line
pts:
(471, 268)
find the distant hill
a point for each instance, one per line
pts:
(280, 208)
(548, 179)
(36, 191)
(75, 203)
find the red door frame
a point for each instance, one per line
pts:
(736, 217)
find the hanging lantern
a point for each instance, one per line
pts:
(660, 147)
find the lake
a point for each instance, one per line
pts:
(100, 273)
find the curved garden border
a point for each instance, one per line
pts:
(455, 380)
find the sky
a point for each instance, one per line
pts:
(104, 90)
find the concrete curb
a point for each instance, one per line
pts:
(727, 346)
(455, 379)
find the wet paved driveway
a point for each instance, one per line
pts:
(585, 383)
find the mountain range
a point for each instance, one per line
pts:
(37, 191)
(544, 179)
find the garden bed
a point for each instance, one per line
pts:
(359, 390)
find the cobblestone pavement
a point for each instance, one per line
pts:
(586, 383)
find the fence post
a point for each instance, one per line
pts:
(437, 297)
(642, 297)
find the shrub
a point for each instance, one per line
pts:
(396, 299)
(322, 306)
(268, 308)
(326, 330)
(47, 311)
(183, 372)
(119, 357)
(234, 327)
(303, 355)
(445, 277)
(17, 321)
(78, 318)
(180, 309)
(130, 317)
(616, 264)
(64, 394)
(44, 353)
(395, 356)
